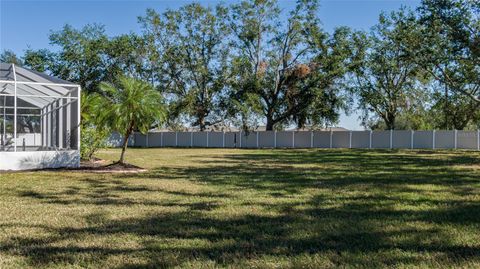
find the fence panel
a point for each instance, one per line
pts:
(381, 139)
(467, 140)
(340, 139)
(303, 139)
(423, 139)
(200, 139)
(249, 140)
(184, 139)
(116, 140)
(306, 139)
(401, 139)
(360, 139)
(155, 140)
(231, 139)
(266, 139)
(169, 139)
(284, 139)
(140, 140)
(321, 139)
(444, 139)
(215, 139)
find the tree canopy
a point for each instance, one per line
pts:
(130, 105)
(253, 63)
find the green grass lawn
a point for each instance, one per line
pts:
(205, 208)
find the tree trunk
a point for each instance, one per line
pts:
(124, 148)
(270, 124)
(446, 108)
(125, 143)
(201, 123)
(390, 121)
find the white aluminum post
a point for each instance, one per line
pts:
(37, 83)
(311, 139)
(207, 139)
(350, 140)
(478, 139)
(41, 129)
(223, 139)
(14, 109)
(275, 139)
(391, 138)
(293, 139)
(331, 138)
(411, 139)
(147, 139)
(191, 139)
(455, 139)
(40, 95)
(68, 122)
(60, 123)
(257, 139)
(433, 139)
(370, 140)
(79, 117)
(4, 134)
(44, 128)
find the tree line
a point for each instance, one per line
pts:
(253, 63)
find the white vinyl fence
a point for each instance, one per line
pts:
(400, 139)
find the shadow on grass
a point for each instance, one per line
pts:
(250, 236)
(290, 171)
(365, 229)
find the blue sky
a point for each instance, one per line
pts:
(26, 24)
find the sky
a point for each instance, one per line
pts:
(27, 24)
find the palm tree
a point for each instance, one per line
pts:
(133, 105)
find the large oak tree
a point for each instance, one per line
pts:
(192, 42)
(385, 77)
(286, 70)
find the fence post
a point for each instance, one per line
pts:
(433, 139)
(147, 139)
(350, 140)
(161, 139)
(274, 139)
(311, 139)
(207, 139)
(370, 140)
(331, 138)
(391, 138)
(223, 139)
(478, 139)
(240, 139)
(455, 139)
(176, 139)
(411, 139)
(293, 139)
(257, 139)
(191, 139)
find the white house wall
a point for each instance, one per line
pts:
(39, 160)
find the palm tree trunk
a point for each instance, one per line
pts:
(125, 143)
(124, 148)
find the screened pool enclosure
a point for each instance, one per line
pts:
(39, 120)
